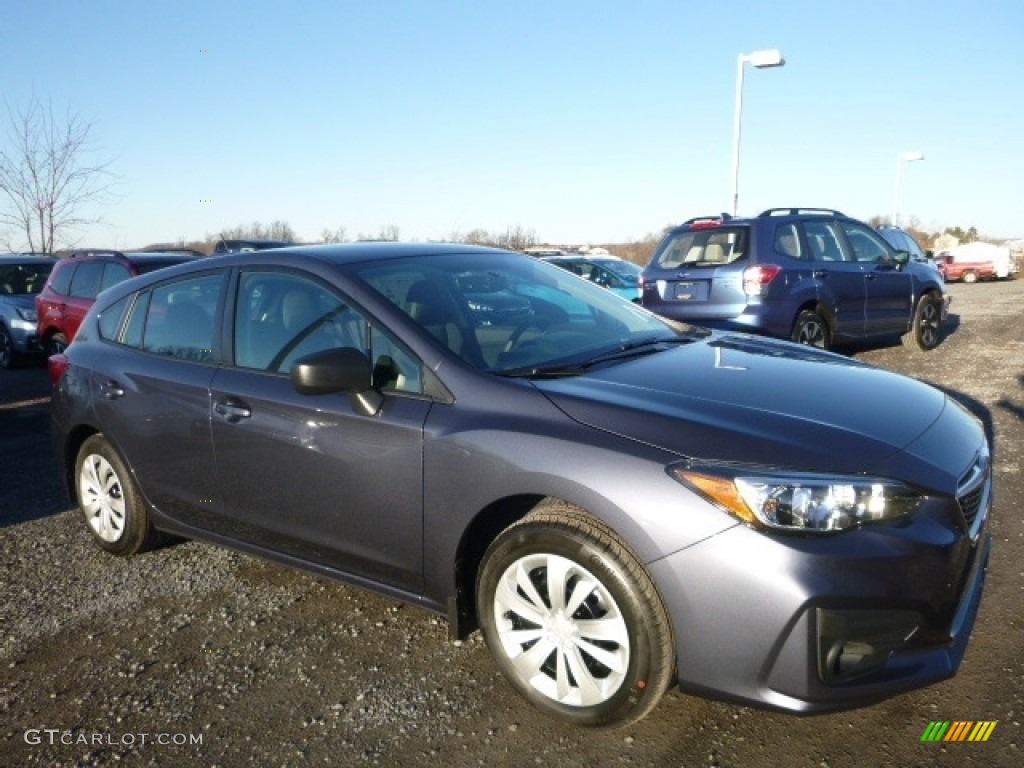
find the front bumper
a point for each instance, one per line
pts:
(807, 625)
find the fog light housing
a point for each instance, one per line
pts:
(852, 644)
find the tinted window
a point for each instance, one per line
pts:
(180, 317)
(113, 274)
(109, 320)
(23, 278)
(62, 275)
(86, 282)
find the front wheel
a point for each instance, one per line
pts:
(926, 327)
(112, 506)
(573, 620)
(810, 328)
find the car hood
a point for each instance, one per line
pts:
(752, 400)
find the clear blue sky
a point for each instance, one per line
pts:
(581, 120)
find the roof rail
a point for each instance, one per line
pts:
(91, 251)
(798, 211)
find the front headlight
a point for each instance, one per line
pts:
(28, 315)
(800, 501)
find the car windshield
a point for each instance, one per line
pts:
(23, 279)
(509, 314)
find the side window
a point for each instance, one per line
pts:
(180, 318)
(61, 282)
(114, 273)
(86, 282)
(787, 241)
(866, 245)
(109, 320)
(824, 242)
(280, 317)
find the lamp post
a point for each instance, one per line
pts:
(771, 57)
(901, 158)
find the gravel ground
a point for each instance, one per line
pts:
(193, 654)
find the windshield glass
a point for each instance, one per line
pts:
(506, 312)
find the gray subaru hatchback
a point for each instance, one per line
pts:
(618, 503)
(812, 275)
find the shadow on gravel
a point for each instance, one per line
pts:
(29, 486)
(1017, 409)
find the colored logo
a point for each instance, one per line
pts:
(959, 730)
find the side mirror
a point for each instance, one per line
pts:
(901, 258)
(343, 369)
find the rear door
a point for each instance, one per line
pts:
(309, 476)
(153, 395)
(840, 278)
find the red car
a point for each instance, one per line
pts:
(75, 282)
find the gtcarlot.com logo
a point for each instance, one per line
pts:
(959, 730)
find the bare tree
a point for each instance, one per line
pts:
(339, 235)
(276, 230)
(47, 176)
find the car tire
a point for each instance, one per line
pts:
(8, 354)
(810, 328)
(553, 656)
(926, 326)
(56, 344)
(111, 504)
(969, 277)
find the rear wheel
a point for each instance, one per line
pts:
(810, 328)
(111, 504)
(573, 620)
(970, 277)
(56, 344)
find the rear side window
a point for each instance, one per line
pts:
(86, 282)
(61, 282)
(703, 247)
(824, 241)
(787, 242)
(180, 318)
(113, 274)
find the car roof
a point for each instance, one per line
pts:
(25, 258)
(346, 253)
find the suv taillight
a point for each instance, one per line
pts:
(57, 364)
(757, 278)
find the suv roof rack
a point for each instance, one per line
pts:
(799, 211)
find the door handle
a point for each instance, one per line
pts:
(232, 410)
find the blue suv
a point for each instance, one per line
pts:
(812, 275)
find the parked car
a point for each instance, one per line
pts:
(242, 246)
(21, 278)
(811, 275)
(976, 261)
(75, 282)
(619, 503)
(618, 275)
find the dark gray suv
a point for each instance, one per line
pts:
(618, 503)
(808, 274)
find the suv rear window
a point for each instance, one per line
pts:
(704, 247)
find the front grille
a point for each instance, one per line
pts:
(974, 489)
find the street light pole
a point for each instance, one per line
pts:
(901, 158)
(762, 60)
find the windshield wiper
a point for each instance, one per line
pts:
(544, 371)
